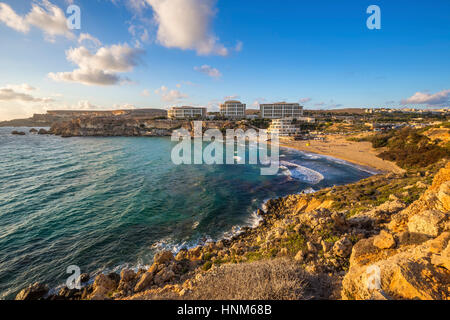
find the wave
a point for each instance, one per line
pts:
(315, 156)
(302, 173)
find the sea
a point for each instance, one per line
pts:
(108, 203)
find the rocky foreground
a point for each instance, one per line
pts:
(327, 245)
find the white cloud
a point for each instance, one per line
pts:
(87, 105)
(43, 15)
(208, 70)
(439, 98)
(145, 93)
(233, 97)
(304, 100)
(87, 37)
(9, 94)
(101, 68)
(258, 101)
(168, 95)
(9, 17)
(185, 24)
(20, 87)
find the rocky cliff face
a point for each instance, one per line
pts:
(115, 127)
(129, 127)
(410, 258)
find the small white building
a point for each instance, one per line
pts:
(233, 109)
(283, 127)
(186, 113)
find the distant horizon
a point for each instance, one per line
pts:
(146, 108)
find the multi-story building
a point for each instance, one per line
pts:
(283, 127)
(281, 110)
(233, 109)
(186, 112)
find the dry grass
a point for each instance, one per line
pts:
(278, 279)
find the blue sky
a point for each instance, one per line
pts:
(158, 53)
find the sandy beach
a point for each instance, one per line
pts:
(337, 146)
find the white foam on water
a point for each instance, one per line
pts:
(302, 173)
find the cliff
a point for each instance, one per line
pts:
(385, 237)
(411, 254)
(130, 127)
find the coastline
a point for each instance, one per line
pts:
(360, 153)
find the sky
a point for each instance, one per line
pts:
(161, 53)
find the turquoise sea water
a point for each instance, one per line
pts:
(107, 203)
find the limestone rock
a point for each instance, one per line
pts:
(300, 256)
(164, 276)
(427, 222)
(145, 281)
(33, 292)
(384, 240)
(444, 196)
(103, 285)
(343, 247)
(163, 257)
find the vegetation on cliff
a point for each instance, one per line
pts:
(410, 148)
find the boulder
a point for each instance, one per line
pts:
(164, 276)
(163, 257)
(343, 247)
(33, 130)
(404, 273)
(426, 222)
(42, 131)
(145, 282)
(18, 133)
(384, 240)
(35, 291)
(102, 287)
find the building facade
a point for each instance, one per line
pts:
(281, 110)
(283, 127)
(186, 113)
(233, 109)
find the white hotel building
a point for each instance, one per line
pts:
(283, 127)
(233, 109)
(281, 110)
(186, 113)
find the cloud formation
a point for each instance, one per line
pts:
(209, 71)
(439, 98)
(304, 100)
(186, 24)
(168, 95)
(43, 15)
(101, 68)
(86, 37)
(10, 94)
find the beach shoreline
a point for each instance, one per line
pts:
(359, 153)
